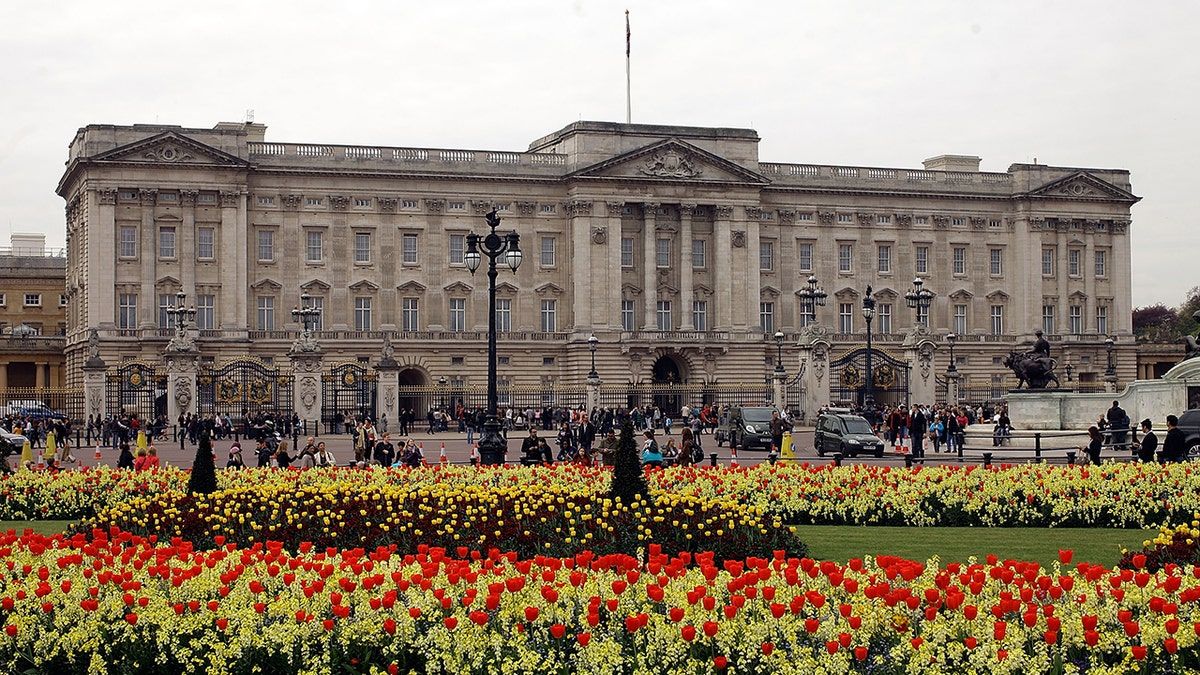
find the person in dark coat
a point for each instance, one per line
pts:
(917, 427)
(1095, 443)
(125, 461)
(1148, 445)
(1174, 447)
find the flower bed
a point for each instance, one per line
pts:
(527, 520)
(1111, 495)
(113, 602)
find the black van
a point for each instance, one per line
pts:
(747, 428)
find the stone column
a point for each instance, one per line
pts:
(583, 273)
(649, 266)
(94, 383)
(181, 367)
(685, 266)
(722, 264)
(919, 349)
(777, 385)
(813, 354)
(593, 394)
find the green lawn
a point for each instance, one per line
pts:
(832, 542)
(1099, 545)
(38, 526)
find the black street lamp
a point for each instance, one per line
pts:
(306, 314)
(779, 371)
(181, 314)
(491, 445)
(868, 312)
(953, 367)
(442, 392)
(592, 342)
(1111, 370)
(919, 298)
(811, 297)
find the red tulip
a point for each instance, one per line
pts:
(720, 663)
(132, 619)
(767, 648)
(451, 622)
(583, 639)
(1132, 628)
(1091, 637)
(811, 625)
(222, 624)
(860, 653)
(831, 646)
(1170, 645)
(1090, 620)
(11, 630)
(1138, 651)
(999, 630)
(389, 626)
(916, 642)
(531, 614)
(1139, 561)
(558, 631)
(971, 642)
(970, 611)
(689, 633)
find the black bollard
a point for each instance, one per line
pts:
(908, 461)
(713, 459)
(837, 459)
(1037, 448)
(987, 459)
(1071, 458)
(772, 458)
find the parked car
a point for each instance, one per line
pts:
(847, 434)
(16, 407)
(1189, 424)
(10, 444)
(41, 412)
(746, 428)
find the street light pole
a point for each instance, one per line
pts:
(868, 312)
(592, 342)
(919, 298)
(181, 314)
(1111, 370)
(779, 370)
(491, 445)
(306, 315)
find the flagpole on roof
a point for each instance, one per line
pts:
(628, 105)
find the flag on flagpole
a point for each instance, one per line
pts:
(626, 33)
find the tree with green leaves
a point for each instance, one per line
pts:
(628, 481)
(203, 480)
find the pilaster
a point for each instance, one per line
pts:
(813, 355)
(919, 350)
(685, 267)
(723, 262)
(649, 266)
(181, 368)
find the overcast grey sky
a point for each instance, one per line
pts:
(1104, 83)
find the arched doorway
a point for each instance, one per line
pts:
(414, 394)
(667, 376)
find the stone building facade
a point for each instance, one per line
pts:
(33, 314)
(676, 246)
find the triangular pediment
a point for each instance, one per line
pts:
(847, 293)
(364, 286)
(630, 291)
(549, 289)
(315, 286)
(171, 147)
(506, 288)
(267, 285)
(886, 294)
(702, 291)
(168, 281)
(1083, 186)
(768, 292)
(1078, 296)
(458, 288)
(410, 287)
(962, 294)
(671, 160)
(998, 296)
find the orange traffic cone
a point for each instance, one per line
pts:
(442, 456)
(98, 455)
(733, 455)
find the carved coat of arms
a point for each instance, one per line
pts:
(671, 164)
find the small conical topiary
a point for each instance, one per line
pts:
(203, 480)
(628, 481)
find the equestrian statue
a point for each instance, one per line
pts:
(1034, 368)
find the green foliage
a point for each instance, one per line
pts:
(203, 480)
(628, 481)
(1159, 323)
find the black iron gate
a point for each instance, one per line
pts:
(849, 381)
(243, 386)
(136, 387)
(348, 388)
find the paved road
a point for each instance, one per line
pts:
(459, 451)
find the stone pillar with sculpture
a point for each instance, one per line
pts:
(919, 350)
(388, 391)
(94, 371)
(181, 362)
(813, 354)
(306, 359)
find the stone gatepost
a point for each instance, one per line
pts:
(919, 348)
(813, 353)
(387, 401)
(306, 358)
(181, 381)
(593, 394)
(94, 383)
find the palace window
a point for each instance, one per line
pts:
(884, 316)
(1102, 319)
(128, 244)
(845, 257)
(166, 242)
(362, 314)
(206, 311)
(700, 315)
(362, 247)
(314, 249)
(766, 256)
(503, 315)
(166, 301)
(627, 315)
(960, 319)
(885, 258)
(458, 314)
(626, 251)
(845, 218)
(410, 315)
(806, 257)
(1075, 319)
(922, 259)
(1101, 260)
(1048, 319)
(996, 262)
(266, 312)
(547, 257)
(458, 245)
(997, 319)
(205, 243)
(549, 316)
(766, 317)
(664, 315)
(408, 245)
(266, 245)
(1073, 262)
(662, 253)
(1047, 262)
(960, 260)
(698, 253)
(127, 310)
(846, 317)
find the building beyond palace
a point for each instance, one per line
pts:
(676, 246)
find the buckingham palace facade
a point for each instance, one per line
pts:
(680, 250)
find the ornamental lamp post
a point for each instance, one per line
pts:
(811, 297)
(868, 312)
(306, 314)
(181, 314)
(779, 371)
(496, 247)
(953, 367)
(442, 393)
(919, 298)
(592, 341)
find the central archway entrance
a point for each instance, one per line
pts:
(667, 377)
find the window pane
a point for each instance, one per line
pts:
(845, 253)
(362, 247)
(884, 315)
(362, 314)
(127, 311)
(664, 315)
(806, 259)
(266, 245)
(1101, 266)
(627, 315)
(1047, 262)
(166, 242)
(997, 319)
(766, 317)
(205, 243)
(166, 301)
(626, 252)
(409, 244)
(960, 319)
(409, 314)
(845, 317)
(1048, 319)
(960, 261)
(662, 252)
(996, 262)
(458, 314)
(698, 251)
(503, 315)
(1073, 263)
(1076, 320)
(458, 244)
(922, 260)
(548, 316)
(700, 314)
(885, 258)
(766, 255)
(206, 312)
(313, 248)
(266, 313)
(547, 252)
(128, 242)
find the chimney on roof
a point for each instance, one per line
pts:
(28, 244)
(953, 163)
